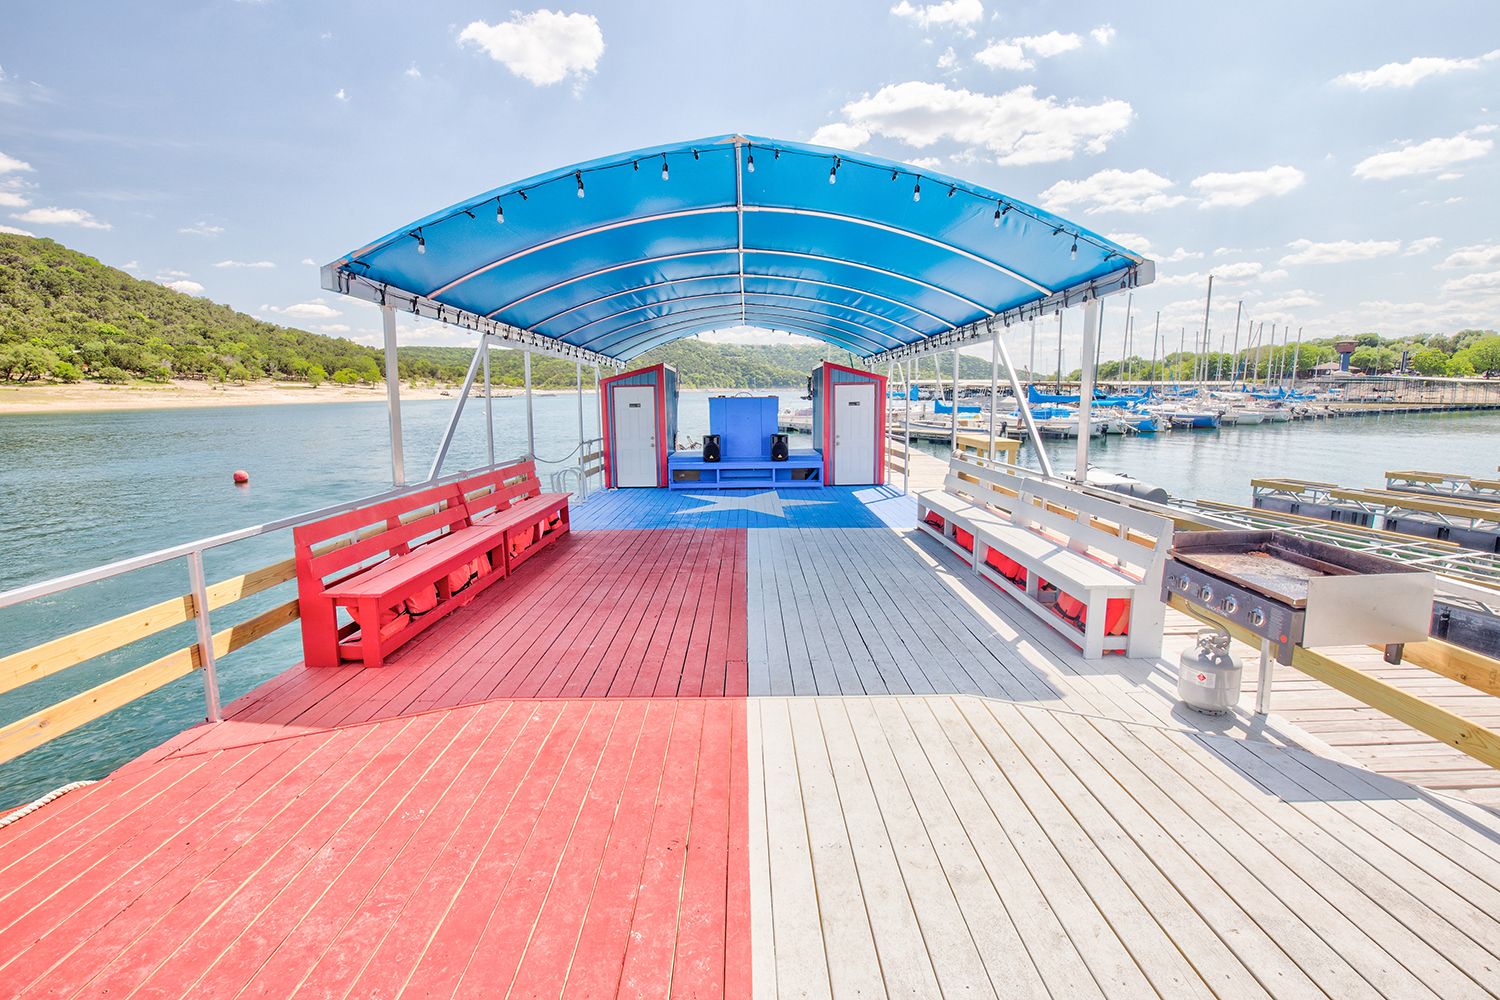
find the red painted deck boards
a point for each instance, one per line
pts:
(575, 847)
(648, 613)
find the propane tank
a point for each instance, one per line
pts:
(1209, 675)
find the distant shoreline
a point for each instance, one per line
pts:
(92, 397)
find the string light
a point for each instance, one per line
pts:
(777, 153)
(522, 193)
(951, 190)
(695, 154)
(499, 212)
(997, 218)
(636, 164)
(664, 166)
(833, 171)
(1074, 255)
(750, 166)
(916, 192)
(578, 176)
(421, 243)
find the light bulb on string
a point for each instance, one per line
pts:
(951, 190)
(578, 176)
(833, 171)
(916, 191)
(1074, 254)
(499, 212)
(997, 218)
(664, 166)
(421, 244)
(750, 164)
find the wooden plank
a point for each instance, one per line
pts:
(67, 715)
(758, 853)
(1478, 671)
(1473, 739)
(59, 654)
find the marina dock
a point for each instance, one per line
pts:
(702, 748)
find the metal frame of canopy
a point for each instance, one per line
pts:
(840, 262)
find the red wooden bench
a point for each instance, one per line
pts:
(401, 565)
(512, 499)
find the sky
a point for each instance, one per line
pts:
(1332, 165)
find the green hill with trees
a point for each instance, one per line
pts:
(64, 316)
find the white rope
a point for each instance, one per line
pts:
(27, 810)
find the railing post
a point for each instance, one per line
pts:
(205, 636)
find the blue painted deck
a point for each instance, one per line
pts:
(829, 507)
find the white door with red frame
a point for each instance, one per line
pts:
(854, 433)
(635, 436)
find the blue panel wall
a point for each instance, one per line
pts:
(744, 425)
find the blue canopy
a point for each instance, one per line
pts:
(606, 259)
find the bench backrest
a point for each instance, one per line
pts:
(1130, 537)
(500, 489)
(356, 537)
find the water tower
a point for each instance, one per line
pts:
(1345, 348)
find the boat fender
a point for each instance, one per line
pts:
(241, 477)
(1139, 490)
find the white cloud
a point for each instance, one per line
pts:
(203, 229)
(1179, 255)
(10, 163)
(1275, 275)
(542, 47)
(1017, 125)
(753, 335)
(309, 260)
(61, 217)
(1011, 53)
(1295, 299)
(235, 263)
(1426, 157)
(1246, 186)
(1421, 246)
(316, 309)
(1113, 191)
(1475, 256)
(1224, 251)
(926, 162)
(1131, 241)
(1449, 177)
(1400, 308)
(12, 230)
(1225, 274)
(1473, 282)
(340, 95)
(1409, 74)
(134, 265)
(9, 199)
(173, 274)
(960, 13)
(1171, 280)
(840, 135)
(1309, 252)
(414, 72)
(948, 59)
(334, 328)
(185, 287)
(1104, 34)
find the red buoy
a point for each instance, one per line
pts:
(241, 476)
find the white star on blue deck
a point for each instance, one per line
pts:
(761, 503)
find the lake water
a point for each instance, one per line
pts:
(81, 489)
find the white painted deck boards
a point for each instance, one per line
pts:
(950, 845)
(871, 611)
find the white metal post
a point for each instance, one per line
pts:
(489, 403)
(205, 637)
(994, 388)
(1025, 409)
(530, 420)
(906, 431)
(579, 366)
(1263, 686)
(458, 411)
(1086, 388)
(393, 395)
(954, 446)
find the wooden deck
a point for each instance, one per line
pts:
(740, 747)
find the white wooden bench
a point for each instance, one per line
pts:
(1018, 529)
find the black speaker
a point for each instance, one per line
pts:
(779, 450)
(710, 447)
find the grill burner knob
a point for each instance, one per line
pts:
(1180, 582)
(1205, 593)
(1229, 604)
(1257, 618)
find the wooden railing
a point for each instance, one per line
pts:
(56, 655)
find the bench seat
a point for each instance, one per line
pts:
(1054, 547)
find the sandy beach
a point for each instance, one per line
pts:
(92, 396)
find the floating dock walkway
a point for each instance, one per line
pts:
(720, 746)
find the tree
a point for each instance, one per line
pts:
(1430, 362)
(1484, 354)
(316, 375)
(1460, 367)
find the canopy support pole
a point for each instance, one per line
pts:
(489, 402)
(1025, 407)
(1091, 314)
(530, 418)
(599, 401)
(906, 432)
(393, 395)
(458, 410)
(578, 365)
(954, 414)
(994, 389)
